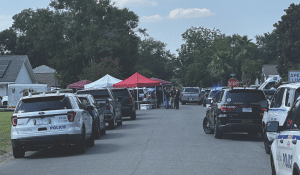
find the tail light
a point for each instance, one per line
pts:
(181, 95)
(144, 95)
(225, 108)
(107, 105)
(71, 116)
(130, 100)
(199, 95)
(14, 120)
(204, 96)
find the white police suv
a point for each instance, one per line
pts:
(278, 109)
(285, 149)
(48, 120)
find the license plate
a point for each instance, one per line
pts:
(247, 121)
(42, 121)
(247, 109)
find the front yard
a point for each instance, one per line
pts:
(5, 125)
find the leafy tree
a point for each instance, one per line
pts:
(8, 39)
(95, 70)
(267, 47)
(288, 45)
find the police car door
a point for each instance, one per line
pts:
(288, 141)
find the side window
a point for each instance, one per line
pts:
(277, 98)
(84, 101)
(293, 118)
(79, 103)
(289, 99)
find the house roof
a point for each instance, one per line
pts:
(269, 69)
(14, 68)
(43, 69)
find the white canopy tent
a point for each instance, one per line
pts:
(106, 81)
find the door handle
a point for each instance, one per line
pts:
(281, 141)
(294, 142)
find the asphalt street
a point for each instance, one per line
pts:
(160, 141)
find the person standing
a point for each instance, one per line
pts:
(173, 93)
(167, 94)
(176, 101)
(158, 93)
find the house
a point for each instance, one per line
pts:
(45, 75)
(15, 69)
(267, 70)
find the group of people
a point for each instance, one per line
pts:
(170, 95)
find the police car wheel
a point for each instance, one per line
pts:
(98, 132)
(217, 133)
(206, 126)
(272, 165)
(91, 141)
(112, 124)
(267, 144)
(81, 146)
(18, 153)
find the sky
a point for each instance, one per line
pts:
(167, 20)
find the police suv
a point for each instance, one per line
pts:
(285, 149)
(279, 106)
(47, 120)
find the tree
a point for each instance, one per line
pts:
(267, 47)
(288, 45)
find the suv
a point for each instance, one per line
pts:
(235, 110)
(191, 95)
(285, 149)
(128, 103)
(96, 112)
(47, 120)
(109, 103)
(278, 109)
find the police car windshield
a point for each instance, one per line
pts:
(43, 104)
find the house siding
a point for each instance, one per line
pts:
(23, 77)
(3, 90)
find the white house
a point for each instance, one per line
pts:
(15, 69)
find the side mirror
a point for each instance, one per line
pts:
(273, 126)
(264, 104)
(120, 99)
(89, 108)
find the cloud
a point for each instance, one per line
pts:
(5, 22)
(122, 3)
(151, 19)
(179, 13)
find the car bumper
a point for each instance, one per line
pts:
(127, 111)
(234, 127)
(108, 116)
(39, 142)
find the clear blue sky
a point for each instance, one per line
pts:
(166, 20)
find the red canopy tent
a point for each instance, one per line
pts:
(137, 80)
(79, 84)
(163, 82)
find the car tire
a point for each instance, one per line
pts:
(91, 141)
(120, 123)
(217, 133)
(98, 131)
(103, 131)
(183, 103)
(199, 103)
(81, 145)
(133, 115)
(272, 165)
(267, 144)
(112, 124)
(18, 153)
(206, 126)
(204, 105)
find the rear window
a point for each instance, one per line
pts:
(96, 94)
(191, 90)
(43, 104)
(121, 92)
(244, 97)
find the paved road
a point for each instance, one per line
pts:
(160, 141)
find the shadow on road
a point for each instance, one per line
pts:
(242, 137)
(113, 135)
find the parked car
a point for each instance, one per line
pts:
(211, 95)
(109, 103)
(285, 149)
(191, 95)
(96, 112)
(236, 110)
(48, 120)
(278, 109)
(128, 103)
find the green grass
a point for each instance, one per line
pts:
(5, 125)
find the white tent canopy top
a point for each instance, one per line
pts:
(106, 81)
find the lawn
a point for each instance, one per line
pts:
(5, 124)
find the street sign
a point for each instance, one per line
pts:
(233, 75)
(232, 82)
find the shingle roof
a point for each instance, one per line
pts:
(43, 69)
(14, 67)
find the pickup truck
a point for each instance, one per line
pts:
(191, 95)
(111, 105)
